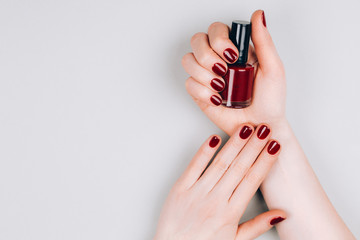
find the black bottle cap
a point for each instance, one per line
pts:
(240, 35)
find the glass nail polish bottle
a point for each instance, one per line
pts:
(239, 78)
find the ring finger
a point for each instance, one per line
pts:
(202, 93)
(225, 157)
(220, 42)
(256, 174)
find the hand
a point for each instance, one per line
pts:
(268, 104)
(291, 184)
(209, 205)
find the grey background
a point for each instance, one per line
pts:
(96, 125)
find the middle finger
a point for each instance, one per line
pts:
(243, 162)
(225, 157)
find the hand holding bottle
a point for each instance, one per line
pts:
(208, 205)
(291, 185)
(208, 63)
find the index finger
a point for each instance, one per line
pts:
(219, 41)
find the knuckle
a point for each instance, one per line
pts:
(204, 58)
(203, 92)
(214, 25)
(240, 167)
(206, 151)
(235, 144)
(188, 83)
(218, 42)
(221, 165)
(254, 179)
(196, 37)
(186, 58)
(196, 165)
(266, 160)
(252, 146)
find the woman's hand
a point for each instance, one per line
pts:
(208, 205)
(291, 185)
(214, 48)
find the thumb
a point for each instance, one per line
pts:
(260, 224)
(269, 60)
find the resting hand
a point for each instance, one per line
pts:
(210, 205)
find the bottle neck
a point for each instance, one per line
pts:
(239, 63)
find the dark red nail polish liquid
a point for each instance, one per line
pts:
(239, 78)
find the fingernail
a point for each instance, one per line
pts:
(263, 18)
(245, 132)
(263, 132)
(273, 147)
(219, 69)
(215, 100)
(276, 220)
(217, 84)
(230, 55)
(214, 141)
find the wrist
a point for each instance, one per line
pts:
(281, 129)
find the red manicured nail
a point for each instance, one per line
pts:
(263, 18)
(214, 141)
(276, 220)
(245, 132)
(215, 100)
(219, 69)
(217, 84)
(230, 55)
(273, 147)
(263, 132)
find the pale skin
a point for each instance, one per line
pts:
(291, 184)
(209, 206)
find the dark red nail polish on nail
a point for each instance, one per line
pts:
(217, 84)
(263, 132)
(230, 55)
(276, 220)
(215, 100)
(263, 18)
(219, 69)
(245, 132)
(273, 147)
(214, 141)
(239, 77)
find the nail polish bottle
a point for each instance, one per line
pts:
(239, 78)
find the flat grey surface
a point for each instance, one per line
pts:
(95, 123)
